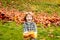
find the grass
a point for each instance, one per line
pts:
(10, 31)
(35, 5)
(50, 33)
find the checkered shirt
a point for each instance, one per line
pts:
(30, 26)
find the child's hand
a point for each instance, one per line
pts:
(26, 33)
(35, 32)
(31, 32)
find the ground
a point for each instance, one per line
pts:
(10, 31)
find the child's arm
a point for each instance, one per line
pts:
(35, 27)
(25, 28)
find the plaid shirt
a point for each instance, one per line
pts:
(30, 26)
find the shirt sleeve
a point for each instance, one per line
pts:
(35, 27)
(24, 27)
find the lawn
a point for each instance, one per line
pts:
(10, 31)
(32, 5)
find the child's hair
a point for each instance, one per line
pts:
(26, 16)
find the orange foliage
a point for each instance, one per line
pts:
(41, 17)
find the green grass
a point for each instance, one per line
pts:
(45, 33)
(10, 31)
(35, 5)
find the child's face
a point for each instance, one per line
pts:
(29, 18)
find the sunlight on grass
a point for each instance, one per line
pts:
(10, 31)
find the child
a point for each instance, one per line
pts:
(30, 29)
